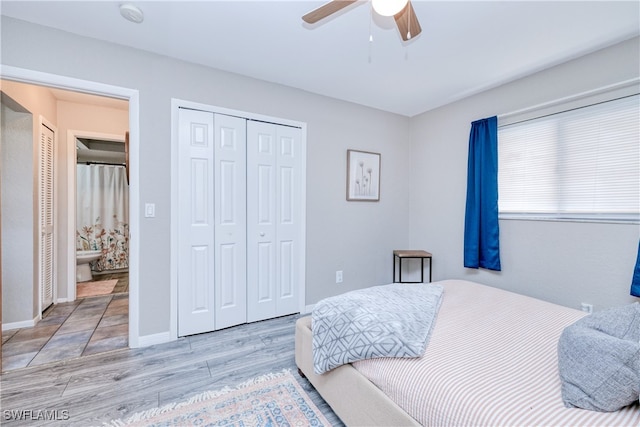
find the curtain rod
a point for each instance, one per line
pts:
(102, 163)
(593, 92)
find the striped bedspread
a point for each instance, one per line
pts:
(492, 361)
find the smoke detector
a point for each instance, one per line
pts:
(131, 13)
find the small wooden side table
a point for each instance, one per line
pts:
(411, 254)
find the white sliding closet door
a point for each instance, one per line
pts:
(230, 221)
(196, 222)
(274, 229)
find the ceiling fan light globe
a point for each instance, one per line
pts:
(388, 7)
(131, 13)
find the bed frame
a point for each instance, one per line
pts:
(356, 400)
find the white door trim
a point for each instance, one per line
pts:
(69, 83)
(176, 104)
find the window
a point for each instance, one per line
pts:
(581, 164)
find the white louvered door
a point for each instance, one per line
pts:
(46, 216)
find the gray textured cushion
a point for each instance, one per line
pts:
(599, 360)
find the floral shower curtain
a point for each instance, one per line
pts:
(102, 217)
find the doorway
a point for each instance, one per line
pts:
(78, 314)
(111, 92)
(101, 213)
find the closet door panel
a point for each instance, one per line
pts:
(261, 221)
(230, 221)
(196, 224)
(287, 271)
(265, 274)
(265, 211)
(289, 228)
(228, 279)
(273, 189)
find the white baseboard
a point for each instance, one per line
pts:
(147, 340)
(20, 325)
(308, 309)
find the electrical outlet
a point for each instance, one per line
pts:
(587, 308)
(339, 276)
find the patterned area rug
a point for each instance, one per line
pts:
(267, 401)
(99, 287)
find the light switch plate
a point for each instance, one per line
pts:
(149, 210)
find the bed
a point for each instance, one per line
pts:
(491, 360)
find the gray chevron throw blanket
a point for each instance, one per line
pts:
(382, 321)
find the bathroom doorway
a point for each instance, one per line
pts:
(65, 254)
(101, 213)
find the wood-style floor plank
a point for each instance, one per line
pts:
(99, 388)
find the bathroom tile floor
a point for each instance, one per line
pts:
(123, 281)
(73, 329)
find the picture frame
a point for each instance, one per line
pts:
(363, 176)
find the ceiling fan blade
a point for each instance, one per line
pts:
(326, 10)
(407, 22)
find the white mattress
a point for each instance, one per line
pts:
(491, 361)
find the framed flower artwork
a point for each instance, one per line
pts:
(363, 176)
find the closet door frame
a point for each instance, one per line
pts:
(176, 104)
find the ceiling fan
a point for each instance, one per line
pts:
(401, 10)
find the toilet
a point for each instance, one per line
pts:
(83, 269)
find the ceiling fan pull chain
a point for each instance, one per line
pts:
(370, 21)
(370, 34)
(409, 22)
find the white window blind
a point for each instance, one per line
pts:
(581, 164)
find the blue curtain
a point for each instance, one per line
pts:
(481, 230)
(635, 282)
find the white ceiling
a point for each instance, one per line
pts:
(465, 46)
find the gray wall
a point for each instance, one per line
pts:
(24, 303)
(18, 213)
(355, 237)
(563, 262)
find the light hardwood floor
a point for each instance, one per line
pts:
(68, 330)
(99, 388)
